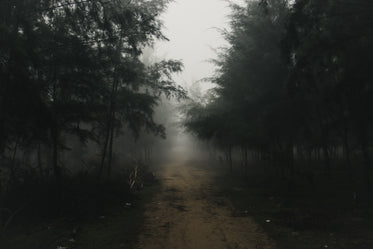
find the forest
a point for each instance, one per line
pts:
(291, 107)
(294, 88)
(71, 74)
(291, 115)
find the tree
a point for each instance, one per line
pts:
(251, 76)
(327, 45)
(68, 66)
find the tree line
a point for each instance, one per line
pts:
(74, 68)
(294, 87)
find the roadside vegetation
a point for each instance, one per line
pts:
(77, 90)
(293, 93)
(322, 217)
(105, 219)
(291, 115)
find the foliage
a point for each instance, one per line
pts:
(295, 85)
(73, 67)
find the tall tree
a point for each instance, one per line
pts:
(68, 65)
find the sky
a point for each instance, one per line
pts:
(192, 26)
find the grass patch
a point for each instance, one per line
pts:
(301, 219)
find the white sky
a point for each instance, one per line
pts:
(191, 26)
(192, 29)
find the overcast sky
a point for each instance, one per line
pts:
(191, 27)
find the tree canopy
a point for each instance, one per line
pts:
(74, 67)
(294, 82)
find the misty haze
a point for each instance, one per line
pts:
(186, 124)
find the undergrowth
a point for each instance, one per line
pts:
(79, 212)
(322, 216)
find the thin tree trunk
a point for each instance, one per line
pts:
(246, 161)
(290, 157)
(12, 169)
(109, 132)
(326, 154)
(56, 168)
(229, 158)
(110, 154)
(327, 161)
(366, 156)
(112, 110)
(242, 159)
(40, 165)
(103, 157)
(347, 153)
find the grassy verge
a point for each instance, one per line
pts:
(301, 219)
(116, 227)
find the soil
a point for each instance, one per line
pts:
(190, 212)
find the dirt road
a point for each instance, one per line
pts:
(190, 213)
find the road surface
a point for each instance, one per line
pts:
(190, 213)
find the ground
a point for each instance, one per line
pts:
(201, 206)
(191, 212)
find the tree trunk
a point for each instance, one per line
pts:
(13, 166)
(229, 158)
(326, 162)
(347, 154)
(110, 154)
(103, 157)
(290, 161)
(366, 156)
(55, 139)
(246, 161)
(326, 154)
(40, 165)
(109, 131)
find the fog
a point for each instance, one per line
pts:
(194, 29)
(113, 137)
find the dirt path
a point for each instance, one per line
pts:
(189, 213)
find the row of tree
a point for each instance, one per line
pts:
(73, 67)
(295, 85)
